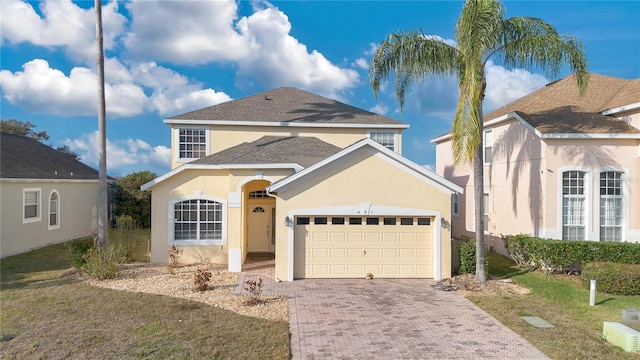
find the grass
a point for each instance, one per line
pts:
(47, 313)
(563, 302)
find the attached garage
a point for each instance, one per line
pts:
(353, 246)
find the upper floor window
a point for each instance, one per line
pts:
(192, 143)
(573, 205)
(54, 209)
(31, 205)
(488, 146)
(454, 204)
(384, 138)
(611, 206)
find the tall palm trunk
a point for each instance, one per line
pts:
(102, 186)
(478, 191)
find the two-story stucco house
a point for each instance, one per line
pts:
(556, 165)
(319, 183)
(46, 196)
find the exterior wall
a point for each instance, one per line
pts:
(631, 117)
(361, 178)
(225, 136)
(592, 156)
(225, 185)
(523, 182)
(78, 214)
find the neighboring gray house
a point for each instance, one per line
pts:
(46, 196)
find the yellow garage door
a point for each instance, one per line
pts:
(351, 247)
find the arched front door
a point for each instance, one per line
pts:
(259, 234)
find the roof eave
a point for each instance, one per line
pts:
(622, 108)
(283, 124)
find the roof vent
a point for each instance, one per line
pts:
(55, 172)
(267, 97)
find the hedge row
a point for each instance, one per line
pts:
(568, 255)
(468, 258)
(611, 278)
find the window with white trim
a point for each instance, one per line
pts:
(488, 146)
(31, 205)
(192, 143)
(384, 138)
(198, 220)
(54, 210)
(611, 206)
(573, 205)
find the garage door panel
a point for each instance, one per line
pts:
(348, 251)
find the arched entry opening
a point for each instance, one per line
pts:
(259, 215)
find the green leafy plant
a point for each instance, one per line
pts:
(612, 278)
(201, 279)
(254, 289)
(104, 264)
(468, 258)
(78, 249)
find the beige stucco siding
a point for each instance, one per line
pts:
(360, 178)
(225, 136)
(219, 185)
(77, 214)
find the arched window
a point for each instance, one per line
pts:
(258, 209)
(198, 220)
(54, 210)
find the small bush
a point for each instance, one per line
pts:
(124, 235)
(254, 289)
(613, 278)
(174, 254)
(201, 280)
(78, 249)
(468, 258)
(103, 264)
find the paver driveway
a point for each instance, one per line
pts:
(391, 319)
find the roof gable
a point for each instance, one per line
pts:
(404, 164)
(26, 158)
(286, 105)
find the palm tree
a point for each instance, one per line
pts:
(482, 34)
(102, 172)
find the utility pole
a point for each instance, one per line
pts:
(102, 131)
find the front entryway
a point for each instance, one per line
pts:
(260, 227)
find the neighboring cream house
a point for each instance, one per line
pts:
(46, 196)
(557, 166)
(320, 184)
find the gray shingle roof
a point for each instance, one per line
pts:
(304, 151)
(557, 108)
(287, 104)
(25, 158)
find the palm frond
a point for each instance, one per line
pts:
(410, 57)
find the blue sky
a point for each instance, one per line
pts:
(165, 58)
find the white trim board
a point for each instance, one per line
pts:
(283, 124)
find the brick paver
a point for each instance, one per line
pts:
(387, 319)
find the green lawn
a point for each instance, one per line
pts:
(564, 303)
(47, 314)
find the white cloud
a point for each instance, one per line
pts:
(63, 24)
(123, 156)
(260, 45)
(173, 92)
(362, 63)
(380, 109)
(39, 88)
(505, 86)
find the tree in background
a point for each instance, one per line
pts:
(13, 126)
(17, 127)
(482, 34)
(130, 200)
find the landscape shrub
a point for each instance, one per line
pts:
(78, 249)
(612, 278)
(201, 280)
(103, 264)
(123, 235)
(567, 256)
(468, 258)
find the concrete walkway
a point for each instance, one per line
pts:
(387, 319)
